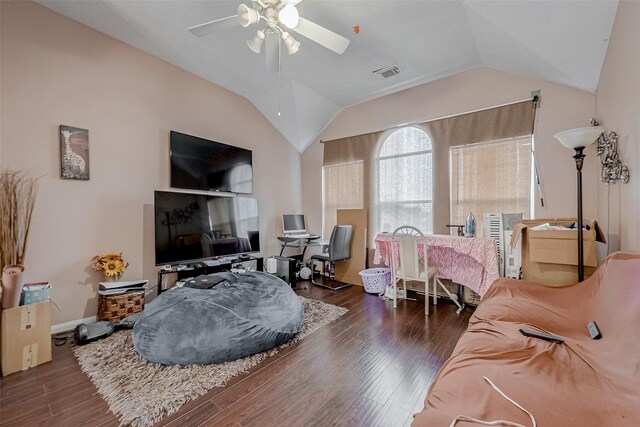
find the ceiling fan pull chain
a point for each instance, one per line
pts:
(279, 74)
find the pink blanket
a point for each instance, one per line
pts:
(472, 262)
(583, 382)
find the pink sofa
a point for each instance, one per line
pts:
(583, 382)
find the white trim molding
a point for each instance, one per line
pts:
(69, 326)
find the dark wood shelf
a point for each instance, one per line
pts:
(207, 269)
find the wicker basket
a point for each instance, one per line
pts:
(116, 307)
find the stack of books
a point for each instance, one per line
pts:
(117, 288)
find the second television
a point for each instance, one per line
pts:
(191, 226)
(201, 164)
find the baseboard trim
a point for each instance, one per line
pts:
(68, 326)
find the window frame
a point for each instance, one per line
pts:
(375, 172)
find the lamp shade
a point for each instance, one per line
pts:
(292, 44)
(580, 137)
(255, 43)
(247, 15)
(289, 16)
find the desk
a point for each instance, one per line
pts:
(293, 241)
(472, 262)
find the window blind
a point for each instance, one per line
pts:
(488, 177)
(343, 189)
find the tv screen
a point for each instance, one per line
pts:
(191, 226)
(200, 164)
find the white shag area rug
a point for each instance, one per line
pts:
(140, 393)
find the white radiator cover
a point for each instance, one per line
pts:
(499, 226)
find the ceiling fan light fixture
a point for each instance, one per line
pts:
(279, 16)
(289, 16)
(247, 15)
(292, 44)
(255, 43)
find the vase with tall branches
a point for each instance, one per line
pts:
(17, 199)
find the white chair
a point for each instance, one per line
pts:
(408, 265)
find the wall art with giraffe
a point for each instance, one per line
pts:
(74, 153)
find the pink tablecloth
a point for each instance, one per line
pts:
(472, 262)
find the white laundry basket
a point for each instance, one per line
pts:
(376, 280)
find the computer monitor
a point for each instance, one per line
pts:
(293, 223)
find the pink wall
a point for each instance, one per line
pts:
(561, 108)
(57, 71)
(618, 109)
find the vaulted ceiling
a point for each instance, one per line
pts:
(559, 41)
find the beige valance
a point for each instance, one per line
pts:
(508, 121)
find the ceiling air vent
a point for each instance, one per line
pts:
(387, 72)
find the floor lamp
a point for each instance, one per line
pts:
(578, 139)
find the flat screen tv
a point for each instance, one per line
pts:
(200, 164)
(190, 227)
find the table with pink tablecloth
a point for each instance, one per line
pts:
(469, 261)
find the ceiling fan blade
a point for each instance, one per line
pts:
(272, 51)
(211, 27)
(322, 36)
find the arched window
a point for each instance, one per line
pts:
(404, 181)
(241, 179)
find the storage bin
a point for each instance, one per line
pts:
(550, 257)
(33, 293)
(116, 307)
(25, 334)
(376, 280)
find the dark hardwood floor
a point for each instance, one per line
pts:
(371, 367)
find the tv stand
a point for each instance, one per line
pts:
(198, 268)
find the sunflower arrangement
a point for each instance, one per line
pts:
(112, 265)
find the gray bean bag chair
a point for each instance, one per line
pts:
(220, 317)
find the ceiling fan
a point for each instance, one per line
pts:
(278, 16)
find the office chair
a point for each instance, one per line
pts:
(254, 240)
(339, 250)
(206, 243)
